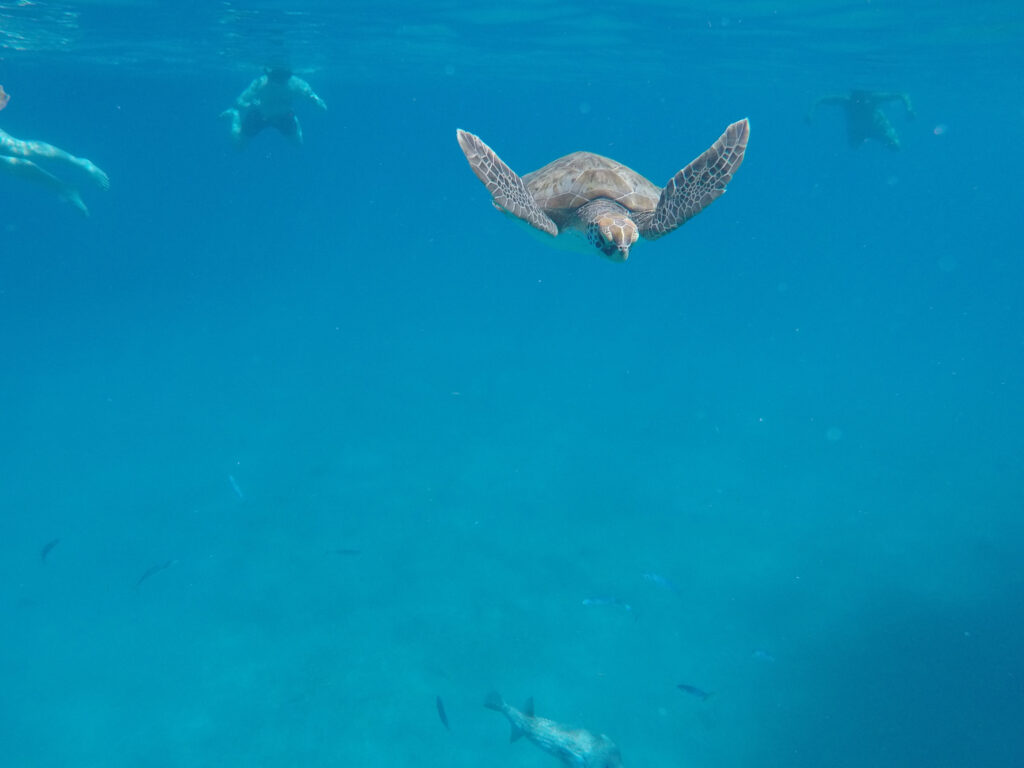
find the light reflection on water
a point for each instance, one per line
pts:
(538, 40)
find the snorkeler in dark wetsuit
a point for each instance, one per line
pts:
(864, 117)
(267, 103)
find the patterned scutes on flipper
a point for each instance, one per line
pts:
(506, 188)
(700, 183)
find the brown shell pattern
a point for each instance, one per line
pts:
(570, 181)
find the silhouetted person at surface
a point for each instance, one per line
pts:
(864, 117)
(267, 102)
(17, 159)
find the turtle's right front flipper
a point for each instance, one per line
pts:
(700, 183)
(506, 188)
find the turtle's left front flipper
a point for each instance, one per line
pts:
(506, 187)
(700, 183)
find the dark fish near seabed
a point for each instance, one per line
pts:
(694, 691)
(441, 713)
(155, 569)
(575, 747)
(47, 547)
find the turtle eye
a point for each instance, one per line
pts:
(602, 243)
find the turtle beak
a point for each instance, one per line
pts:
(618, 254)
(617, 235)
(623, 233)
(623, 239)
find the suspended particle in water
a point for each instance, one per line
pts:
(832, 434)
(584, 107)
(941, 129)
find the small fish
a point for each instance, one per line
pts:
(441, 713)
(4, 98)
(155, 569)
(694, 691)
(658, 580)
(47, 548)
(235, 488)
(762, 656)
(611, 602)
(573, 746)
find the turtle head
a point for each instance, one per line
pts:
(613, 234)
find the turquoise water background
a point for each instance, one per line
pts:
(788, 436)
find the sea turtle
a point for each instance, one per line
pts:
(604, 201)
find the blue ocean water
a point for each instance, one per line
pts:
(386, 443)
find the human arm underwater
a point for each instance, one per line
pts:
(251, 95)
(904, 97)
(837, 101)
(302, 88)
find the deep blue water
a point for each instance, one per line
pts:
(802, 410)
